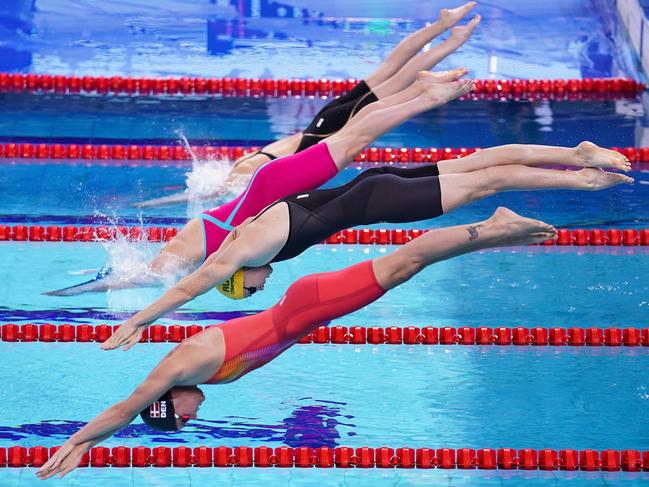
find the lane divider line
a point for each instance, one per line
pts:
(27, 151)
(580, 237)
(355, 335)
(515, 89)
(340, 457)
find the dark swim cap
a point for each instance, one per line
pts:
(160, 415)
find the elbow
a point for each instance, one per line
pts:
(122, 414)
(184, 294)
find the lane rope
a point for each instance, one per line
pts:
(581, 237)
(354, 335)
(27, 151)
(340, 457)
(515, 89)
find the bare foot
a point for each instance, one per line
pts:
(441, 76)
(461, 34)
(591, 155)
(596, 179)
(440, 93)
(448, 17)
(514, 229)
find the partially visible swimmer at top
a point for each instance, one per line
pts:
(394, 74)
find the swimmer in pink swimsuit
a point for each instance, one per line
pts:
(168, 398)
(272, 181)
(284, 176)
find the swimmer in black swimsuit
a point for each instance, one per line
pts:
(386, 194)
(393, 77)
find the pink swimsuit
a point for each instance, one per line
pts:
(276, 179)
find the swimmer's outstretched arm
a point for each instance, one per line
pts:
(253, 250)
(172, 199)
(167, 374)
(185, 196)
(106, 282)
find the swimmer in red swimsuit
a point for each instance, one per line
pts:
(168, 397)
(393, 75)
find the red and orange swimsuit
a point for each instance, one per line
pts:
(311, 301)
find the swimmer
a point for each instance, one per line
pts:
(228, 351)
(289, 226)
(304, 171)
(395, 73)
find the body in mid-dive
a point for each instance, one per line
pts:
(232, 349)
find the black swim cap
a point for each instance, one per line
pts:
(160, 415)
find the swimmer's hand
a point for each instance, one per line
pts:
(125, 336)
(65, 460)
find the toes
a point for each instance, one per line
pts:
(446, 76)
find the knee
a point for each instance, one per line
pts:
(406, 268)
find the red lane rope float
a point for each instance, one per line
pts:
(355, 335)
(580, 237)
(340, 457)
(146, 152)
(569, 89)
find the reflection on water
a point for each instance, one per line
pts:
(313, 425)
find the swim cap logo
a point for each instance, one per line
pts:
(228, 286)
(158, 409)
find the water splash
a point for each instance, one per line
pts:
(208, 180)
(129, 262)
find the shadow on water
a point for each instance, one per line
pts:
(311, 425)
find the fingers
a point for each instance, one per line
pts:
(627, 179)
(46, 475)
(117, 339)
(51, 467)
(135, 338)
(454, 15)
(113, 342)
(68, 467)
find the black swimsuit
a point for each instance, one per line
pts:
(382, 194)
(335, 114)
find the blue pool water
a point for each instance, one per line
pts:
(314, 395)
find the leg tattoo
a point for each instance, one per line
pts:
(473, 231)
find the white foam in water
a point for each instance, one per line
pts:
(129, 260)
(206, 178)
